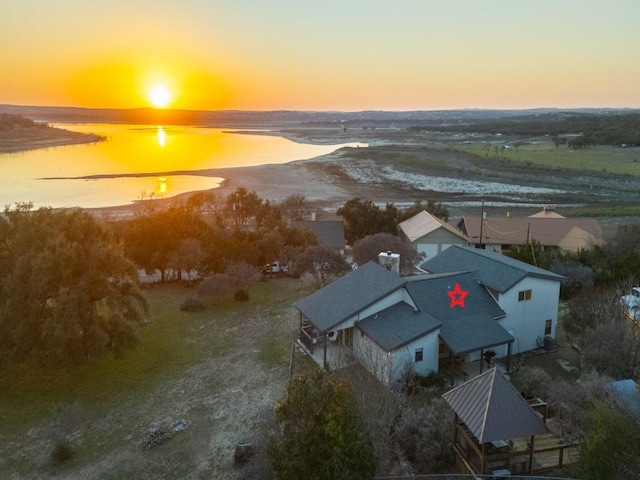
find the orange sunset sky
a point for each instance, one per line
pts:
(321, 55)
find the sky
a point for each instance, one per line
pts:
(324, 55)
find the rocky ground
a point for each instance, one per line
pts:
(198, 415)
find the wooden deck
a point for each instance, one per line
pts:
(516, 456)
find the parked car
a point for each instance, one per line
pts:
(275, 268)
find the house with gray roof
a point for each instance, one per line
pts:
(327, 232)
(527, 294)
(469, 303)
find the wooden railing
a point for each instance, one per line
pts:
(549, 453)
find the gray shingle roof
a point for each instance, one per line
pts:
(397, 325)
(328, 232)
(348, 295)
(492, 408)
(492, 269)
(467, 329)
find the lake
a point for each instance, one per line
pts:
(164, 161)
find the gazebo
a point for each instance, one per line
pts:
(496, 429)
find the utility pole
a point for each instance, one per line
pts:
(481, 223)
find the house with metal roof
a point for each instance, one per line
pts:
(429, 234)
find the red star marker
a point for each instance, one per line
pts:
(457, 296)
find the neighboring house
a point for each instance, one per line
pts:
(529, 295)
(328, 232)
(476, 302)
(429, 234)
(627, 395)
(550, 230)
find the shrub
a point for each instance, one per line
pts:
(62, 452)
(417, 382)
(192, 304)
(241, 295)
(534, 382)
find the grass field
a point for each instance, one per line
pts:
(200, 366)
(624, 161)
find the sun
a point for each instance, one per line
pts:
(160, 96)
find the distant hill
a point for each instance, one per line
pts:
(19, 133)
(242, 118)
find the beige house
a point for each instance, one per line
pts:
(430, 234)
(546, 227)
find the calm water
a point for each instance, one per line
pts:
(53, 176)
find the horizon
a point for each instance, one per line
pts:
(366, 110)
(335, 56)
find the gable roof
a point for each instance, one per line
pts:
(397, 325)
(549, 231)
(464, 329)
(424, 223)
(491, 407)
(328, 232)
(493, 269)
(348, 295)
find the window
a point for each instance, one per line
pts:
(547, 327)
(524, 295)
(419, 354)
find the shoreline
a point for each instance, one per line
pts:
(272, 182)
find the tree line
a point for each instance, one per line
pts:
(591, 129)
(70, 287)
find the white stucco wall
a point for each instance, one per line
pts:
(525, 320)
(436, 242)
(391, 366)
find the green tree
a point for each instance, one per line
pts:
(532, 253)
(364, 218)
(321, 435)
(611, 446)
(152, 240)
(242, 205)
(432, 207)
(368, 248)
(67, 292)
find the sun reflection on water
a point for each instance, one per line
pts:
(163, 187)
(162, 137)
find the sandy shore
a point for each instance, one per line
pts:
(273, 182)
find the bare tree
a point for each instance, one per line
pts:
(613, 349)
(295, 207)
(573, 402)
(215, 286)
(242, 276)
(322, 263)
